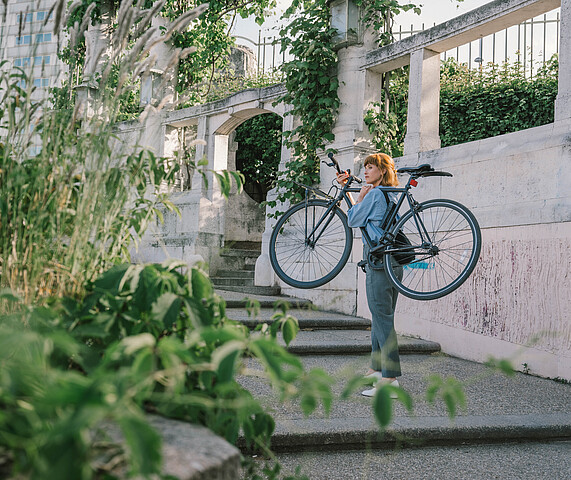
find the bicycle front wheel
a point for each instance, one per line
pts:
(446, 242)
(309, 246)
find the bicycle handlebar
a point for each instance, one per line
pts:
(335, 164)
(424, 170)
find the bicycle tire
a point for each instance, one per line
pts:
(300, 264)
(447, 260)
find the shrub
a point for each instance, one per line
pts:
(144, 338)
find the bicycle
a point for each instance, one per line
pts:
(312, 241)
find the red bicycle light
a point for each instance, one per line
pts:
(413, 182)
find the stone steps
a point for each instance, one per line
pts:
(239, 259)
(498, 408)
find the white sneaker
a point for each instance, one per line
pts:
(371, 392)
(374, 377)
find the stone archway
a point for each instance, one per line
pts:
(244, 217)
(258, 155)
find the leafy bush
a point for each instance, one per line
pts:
(144, 338)
(494, 101)
(474, 104)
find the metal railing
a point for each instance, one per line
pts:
(268, 56)
(531, 44)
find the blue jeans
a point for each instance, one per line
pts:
(382, 301)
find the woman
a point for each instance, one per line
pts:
(368, 211)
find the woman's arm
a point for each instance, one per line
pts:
(367, 209)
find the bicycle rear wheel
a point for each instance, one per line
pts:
(308, 250)
(446, 249)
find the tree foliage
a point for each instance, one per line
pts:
(208, 37)
(259, 149)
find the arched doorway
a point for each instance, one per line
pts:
(254, 147)
(259, 142)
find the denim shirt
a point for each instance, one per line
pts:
(370, 212)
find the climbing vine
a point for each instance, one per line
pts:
(311, 84)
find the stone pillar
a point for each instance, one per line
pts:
(264, 275)
(563, 101)
(423, 102)
(158, 82)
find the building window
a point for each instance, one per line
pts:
(41, 82)
(21, 83)
(42, 60)
(24, 40)
(38, 61)
(25, 17)
(43, 37)
(41, 16)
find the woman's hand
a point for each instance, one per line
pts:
(364, 190)
(342, 177)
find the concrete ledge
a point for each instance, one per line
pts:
(189, 115)
(192, 452)
(358, 433)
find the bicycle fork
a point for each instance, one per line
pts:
(313, 237)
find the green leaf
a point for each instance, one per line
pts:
(289, 329)
(382, 406)
(225, 358)
(143, 443)
(134, 343)
(166, 309)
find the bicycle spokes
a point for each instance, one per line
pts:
(310, 244)
(446, 241)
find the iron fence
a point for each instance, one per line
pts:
(531, 44)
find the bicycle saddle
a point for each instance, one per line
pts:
(425, 167)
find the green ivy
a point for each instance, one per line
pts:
(311, 84)
(379, 15)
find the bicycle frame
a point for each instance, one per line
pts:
(344, 194)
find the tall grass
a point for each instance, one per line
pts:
(79, 205)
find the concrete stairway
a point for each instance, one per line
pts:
(239, 259)
(499, 409)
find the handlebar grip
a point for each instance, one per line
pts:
(335, 162)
